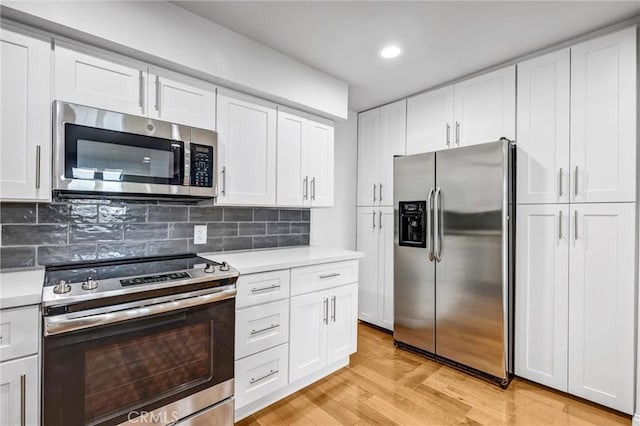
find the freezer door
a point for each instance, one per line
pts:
(472, 274)
(414, 273)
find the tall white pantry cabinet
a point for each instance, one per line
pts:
(576, 220)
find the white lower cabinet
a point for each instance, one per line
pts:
(19, 387)
(259, 375)
(261, 327)
(323, 329)
(575, 300)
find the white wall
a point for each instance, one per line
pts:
(336, 226)
(172, 37)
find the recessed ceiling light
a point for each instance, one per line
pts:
(390, 52)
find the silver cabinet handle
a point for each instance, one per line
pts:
(262, 330)
(381, 192)
(437, 225)
(379, 219)
(23, 400)
(374, 192)
(305, 182)
(313, 188)
(326, 310)
(560, 183)
(374, 219)
(223, 172)
(448, 135)
(332, 275)
(575, 225)
(575, 182)
(140, 89)
(269, 374)
(560, 225)
(158, 93)
(38, 152)
(333, 308)
(429, 236)
(457, 133)
(259, 289)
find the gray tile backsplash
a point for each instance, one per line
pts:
(83, 230)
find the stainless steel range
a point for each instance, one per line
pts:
(147, 340)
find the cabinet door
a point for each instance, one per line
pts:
(320, 158)
(367, 242)
(368, 163)
(603, 118)
(386, 224)
(601, 304)
(543, 129)
(342, 339)
(430, 121)
(181, 100)
(542, 291)
(392, 142)
(247, 150)
(308, 334)
(485, 108)
(293, 176)
(25, 102)
(99, 81)
(18, 380)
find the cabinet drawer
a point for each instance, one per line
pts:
(261, 374)
(320, 277)
(261, 327)
(19, 334)
(254, 289)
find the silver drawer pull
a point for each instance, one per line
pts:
(23, 400)
(271, 327)
(269, 374)
(259, 289)
(335, 274)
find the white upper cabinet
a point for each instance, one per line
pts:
(381, 136)
(25, 102)
(179, 99)
(99, 80)
(430, 121)
(602, 303)
(305, 161)
(320, 164)
(246, 150)
(543, 129)
(485, 108)
(542, 293)
(603, 118)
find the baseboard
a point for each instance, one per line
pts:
(247, 410)
(636, 419)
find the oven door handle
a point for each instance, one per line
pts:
(62, 324)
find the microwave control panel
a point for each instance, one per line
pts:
(201, 165)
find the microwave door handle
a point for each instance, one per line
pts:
(429, 233)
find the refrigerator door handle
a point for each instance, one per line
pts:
(429, 233)
(437, 226)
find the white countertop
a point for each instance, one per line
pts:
(249, 262)
(21, 287)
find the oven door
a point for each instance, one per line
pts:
(181, 360)
(105, 152)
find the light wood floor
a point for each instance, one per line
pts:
(385, 385)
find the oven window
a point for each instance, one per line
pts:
(134, 371)
(99, 154)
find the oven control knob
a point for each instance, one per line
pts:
(210, 268)
(62, 287)
(89, 284)
(224, 266)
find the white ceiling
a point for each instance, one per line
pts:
(441, 41)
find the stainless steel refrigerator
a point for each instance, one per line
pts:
(453, 256)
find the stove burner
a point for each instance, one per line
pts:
(155, 278)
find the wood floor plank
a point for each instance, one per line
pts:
(384, 385)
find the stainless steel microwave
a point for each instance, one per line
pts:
(106, 153)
